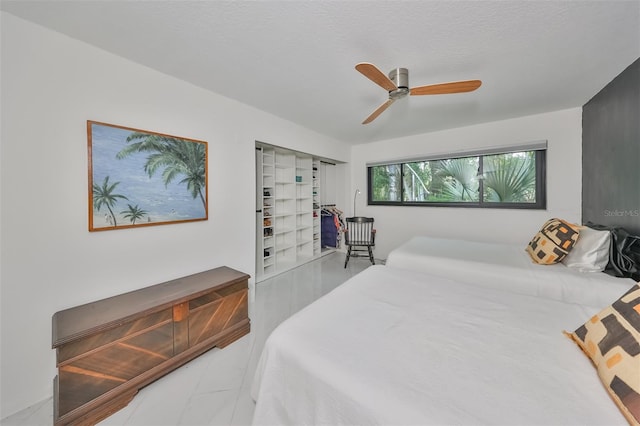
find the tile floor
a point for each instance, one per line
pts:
(214, 389)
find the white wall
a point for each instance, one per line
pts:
(562, 130)
(51, 85)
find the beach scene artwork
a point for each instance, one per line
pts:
(142, 178)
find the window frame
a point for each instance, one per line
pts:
(540, 183)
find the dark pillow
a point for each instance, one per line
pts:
(552, 243)
(611, 340)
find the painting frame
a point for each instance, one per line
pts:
(139, 178)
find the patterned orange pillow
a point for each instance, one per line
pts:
(553, 242)
(611, 340)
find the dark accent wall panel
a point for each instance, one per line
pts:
(611, 153)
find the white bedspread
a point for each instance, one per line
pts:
(398, 347)
(500, 265)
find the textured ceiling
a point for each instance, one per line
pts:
(295, 59)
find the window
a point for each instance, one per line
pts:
(494, 180)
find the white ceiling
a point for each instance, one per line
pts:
(295, 59)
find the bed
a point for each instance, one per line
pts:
(488, 264)
(433, 338)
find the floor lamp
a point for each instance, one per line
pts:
(354, 201)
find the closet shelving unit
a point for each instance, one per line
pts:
(289, 224)
(315, 195)
(268, 209)
(284, 229)
(304, 209)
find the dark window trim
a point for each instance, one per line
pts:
(541, 188)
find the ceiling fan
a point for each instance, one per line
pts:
(397, 84)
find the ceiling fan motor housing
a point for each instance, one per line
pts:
(399, 77)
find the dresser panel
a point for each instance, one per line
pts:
(101, 339)
(211, 319)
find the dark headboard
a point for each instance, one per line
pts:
(611, 153)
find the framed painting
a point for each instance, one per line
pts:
(142, 178)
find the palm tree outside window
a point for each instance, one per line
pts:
(500, 180)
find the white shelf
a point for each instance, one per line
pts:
(281, 231)
(291, 179)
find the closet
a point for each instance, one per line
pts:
(288, 209)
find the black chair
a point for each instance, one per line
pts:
(359, 238)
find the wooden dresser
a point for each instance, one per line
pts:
(107, 350)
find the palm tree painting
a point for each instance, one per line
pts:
(141, 178)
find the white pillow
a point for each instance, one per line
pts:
(591, 252)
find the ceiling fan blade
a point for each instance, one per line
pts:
(378, 111)
(374, 74)
(444, 88)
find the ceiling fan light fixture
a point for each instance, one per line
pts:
(400, 92)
